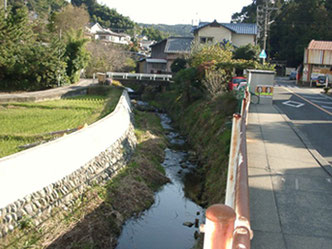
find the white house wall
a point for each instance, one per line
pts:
(242, 40)
(219, 34)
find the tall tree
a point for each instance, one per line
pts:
(70, 17)
(299, 22)
(25, 62)
(295, 24)
(76, 54)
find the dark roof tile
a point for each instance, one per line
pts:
(178, 44)
(238, 28)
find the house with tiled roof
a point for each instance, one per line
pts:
(317, 60)
(238, 34)
(164, 53)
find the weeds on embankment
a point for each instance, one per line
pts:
(207, 124)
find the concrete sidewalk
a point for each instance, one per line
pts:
(290, 193)
(54, 93)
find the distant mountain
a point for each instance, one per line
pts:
(176, 30)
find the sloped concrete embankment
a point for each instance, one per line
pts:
(53, 175)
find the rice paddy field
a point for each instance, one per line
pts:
(23, 124)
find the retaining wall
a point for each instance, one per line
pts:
(55, 174)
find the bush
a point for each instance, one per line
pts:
(208, 53)
(189, 84)
(214, 82)
(178, 64)
(247, 52)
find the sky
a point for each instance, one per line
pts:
(177, 11)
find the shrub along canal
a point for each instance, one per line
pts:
(173, 220)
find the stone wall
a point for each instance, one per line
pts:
(63, 193)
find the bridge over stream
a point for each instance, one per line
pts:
(143, 78)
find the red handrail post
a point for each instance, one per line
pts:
(219, 227)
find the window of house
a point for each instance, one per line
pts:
(158, 66)
(206, 39)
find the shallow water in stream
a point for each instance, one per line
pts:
(161, 226)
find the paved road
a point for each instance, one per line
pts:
(290, 193)
(53, 93)
(310, 111)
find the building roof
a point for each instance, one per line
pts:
(320, 45)
(157, 43)
(242, 28)
(178, 44)
(238, 28)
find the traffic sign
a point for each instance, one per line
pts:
(263, 54)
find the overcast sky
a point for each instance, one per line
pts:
(177, 11)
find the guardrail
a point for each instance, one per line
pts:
(228, 226)
(139, 76)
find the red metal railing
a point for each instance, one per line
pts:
(228, 226)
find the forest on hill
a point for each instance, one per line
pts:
(294, 23)
(174, 30)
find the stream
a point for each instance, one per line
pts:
(172, 222)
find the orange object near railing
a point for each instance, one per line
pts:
(228, 226)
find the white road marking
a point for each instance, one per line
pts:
(328, 180)
(296, 183)
(293, 103)
(312, 122)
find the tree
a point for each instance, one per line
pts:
(295, 24)
(71, 17)
(178, 64)
(15, 39)
(154, 34)
(76, 55)
(107, 58)
(26, 63)
(42, 8)
(298, 24)
(208, 53)
(247, 52)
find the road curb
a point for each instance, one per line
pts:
(316, 155)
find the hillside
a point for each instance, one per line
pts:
(177, 30)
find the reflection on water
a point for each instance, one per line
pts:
(161, 226)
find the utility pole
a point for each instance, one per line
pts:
(263, 21)
(5, 5)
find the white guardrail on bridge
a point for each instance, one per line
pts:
(228, 226)
(139, 76)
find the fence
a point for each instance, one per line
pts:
(139, 76)
(228, 226)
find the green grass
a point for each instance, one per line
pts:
(29, 122)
